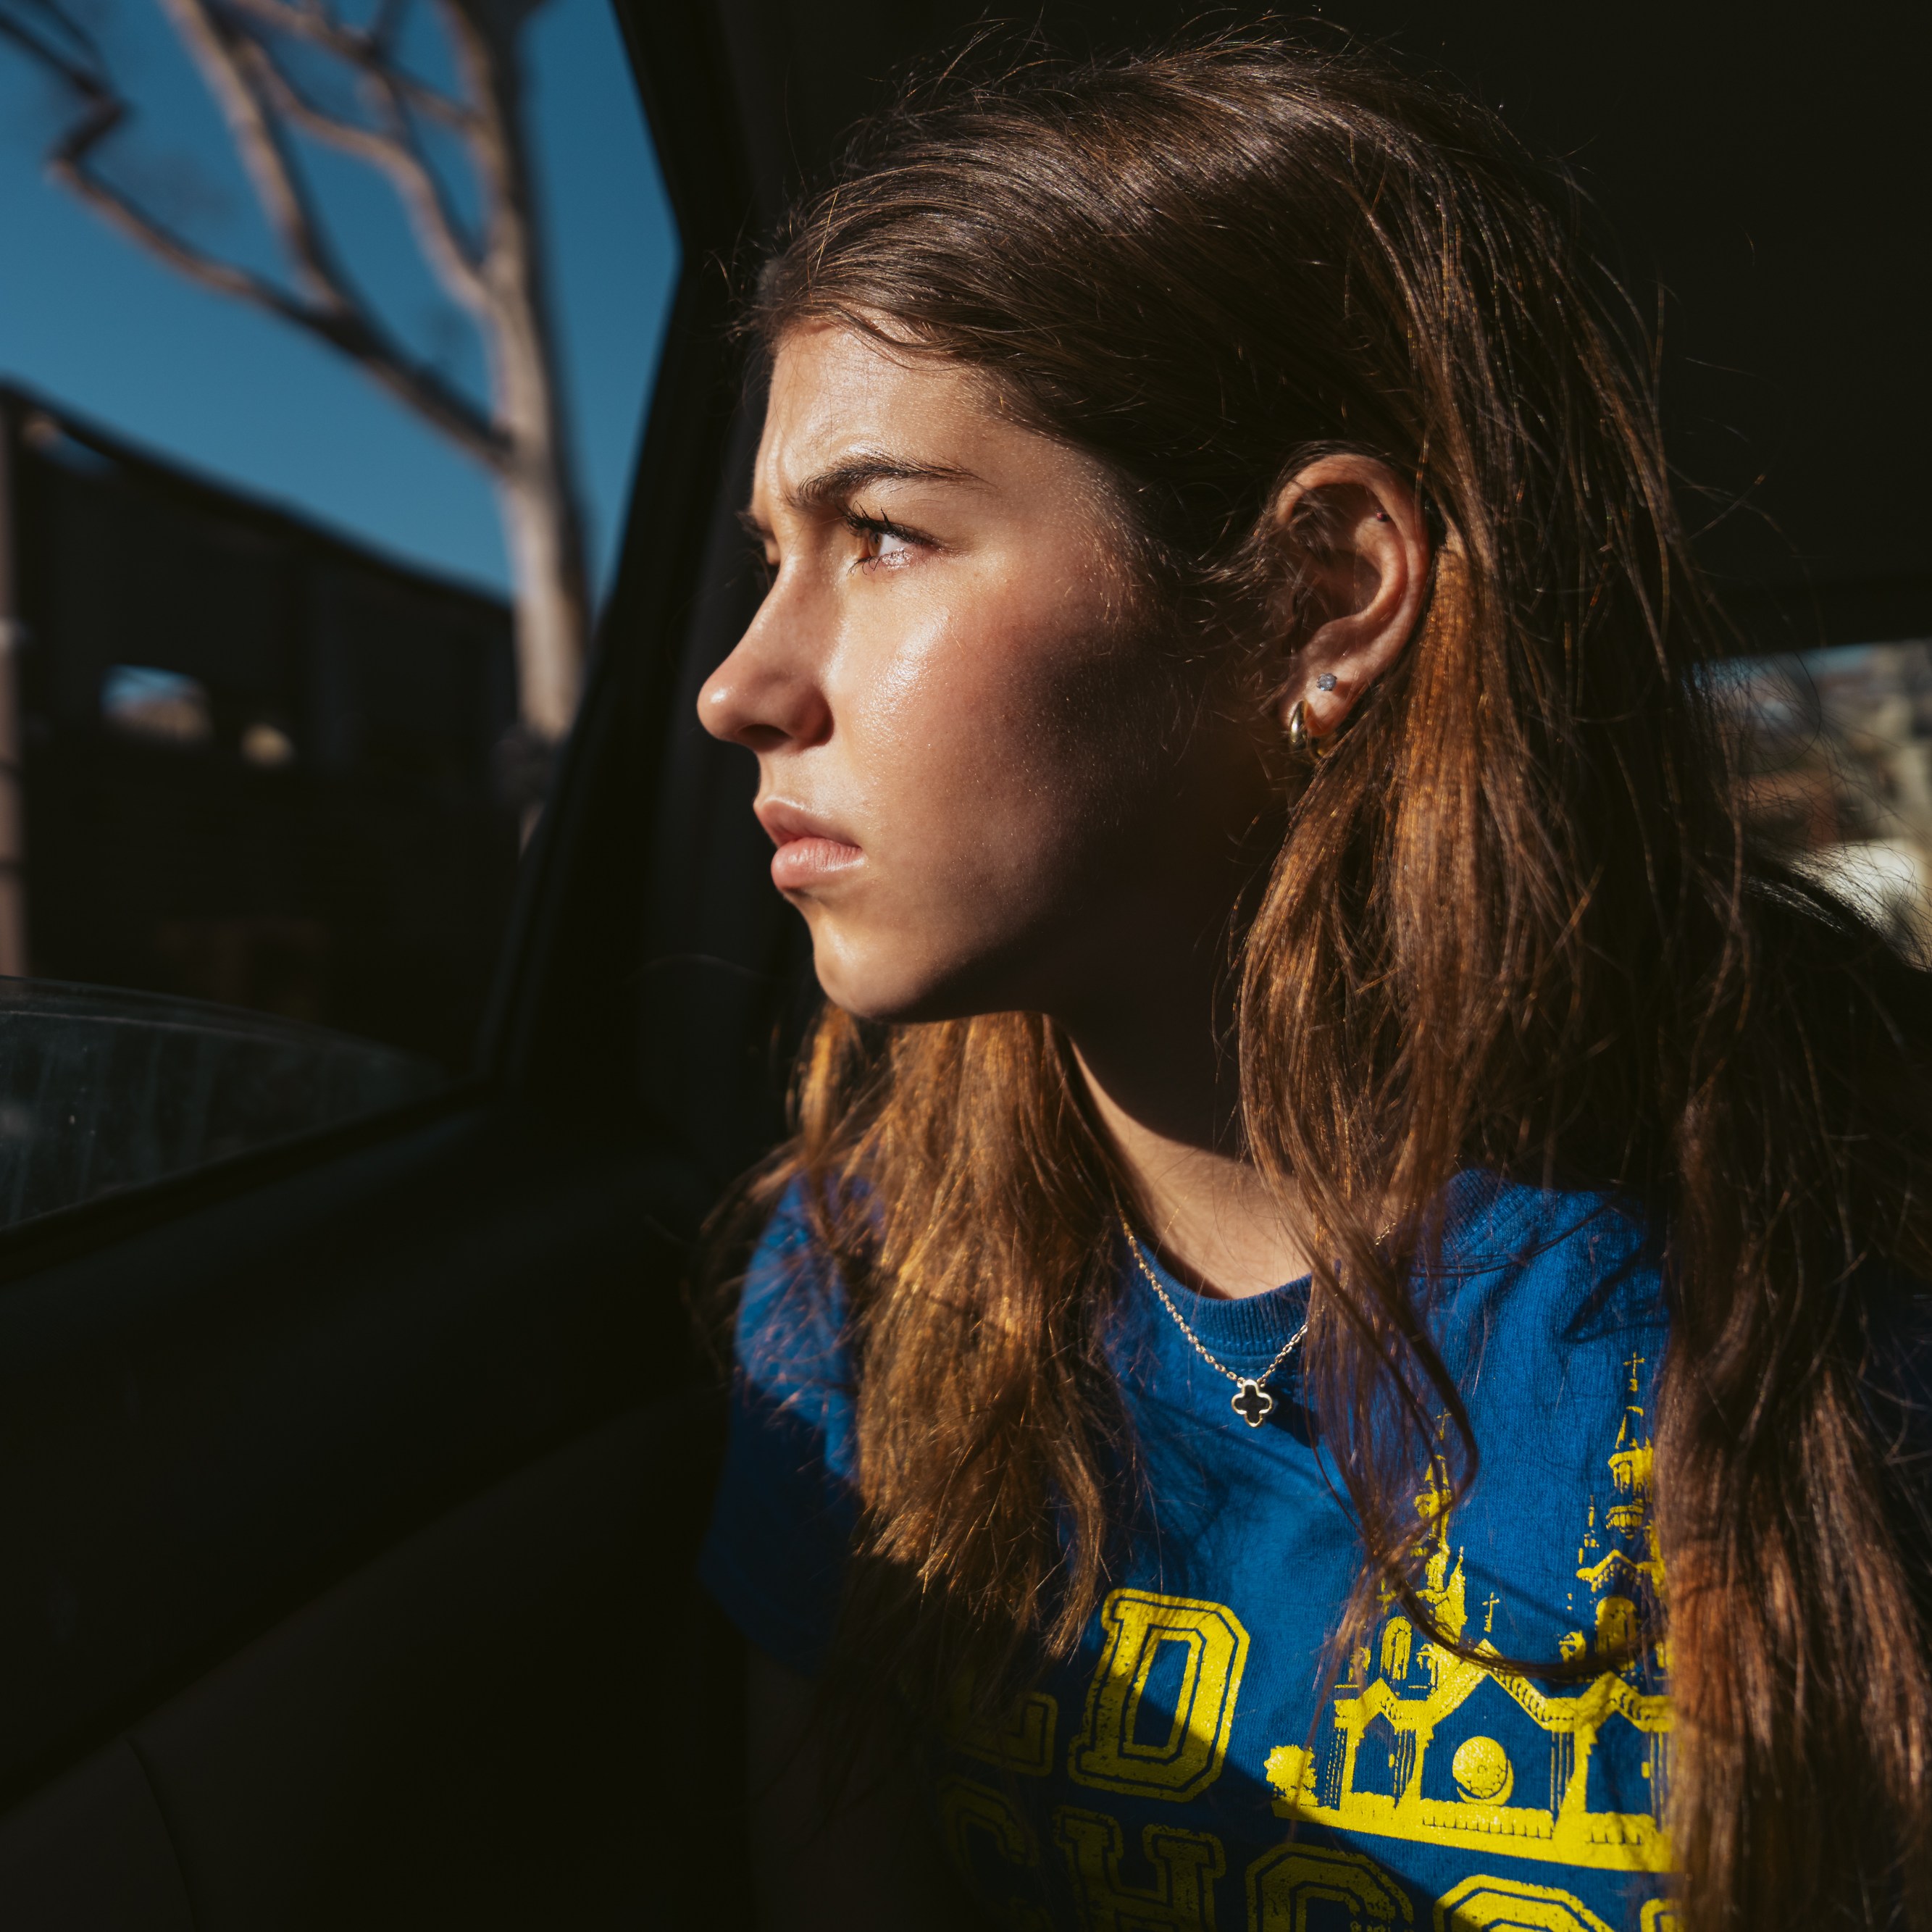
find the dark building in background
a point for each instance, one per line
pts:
(249, 762)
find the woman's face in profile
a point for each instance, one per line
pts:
(992, 785)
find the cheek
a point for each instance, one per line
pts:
(999, 739)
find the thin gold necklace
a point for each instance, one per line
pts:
(1251, 1400)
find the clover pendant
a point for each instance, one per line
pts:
(1252, 1403)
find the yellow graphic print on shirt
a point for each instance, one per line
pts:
(1022, 1744)
(972, 1817)
(1286, 1886)
(1115, 1750)
(1183, 1865)
(1403, 1707)
(1508, 1905)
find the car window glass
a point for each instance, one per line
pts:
(1837, 773)
(325, 342)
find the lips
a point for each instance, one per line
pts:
(811, 851)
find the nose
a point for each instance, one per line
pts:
(767, 693)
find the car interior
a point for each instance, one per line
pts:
(350, 1482)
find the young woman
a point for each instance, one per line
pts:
(1332, 1346)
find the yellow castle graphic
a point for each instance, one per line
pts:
(1428, 1746)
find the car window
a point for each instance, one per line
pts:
(1837, 772)
(324, 343)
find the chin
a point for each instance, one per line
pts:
(864, 986)
(882, 1002)
(886, 987)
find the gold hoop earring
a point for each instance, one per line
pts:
(1302, 742)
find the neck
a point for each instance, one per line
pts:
(1166, 1091)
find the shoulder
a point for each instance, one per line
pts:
(790, 1333)
(1579, 1265)
(785, 1508)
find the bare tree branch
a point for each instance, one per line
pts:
(421, 388)
(330, 310)
(309, 22)
(483, 53)
(383, 29)
(260, 95)
(396, 152)
(220, 52)
(247, 52)
(58, 42)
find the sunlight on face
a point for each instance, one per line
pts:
(971, 760)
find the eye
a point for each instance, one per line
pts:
(884, 545)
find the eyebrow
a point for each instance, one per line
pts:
(837, 484)
(842, 482)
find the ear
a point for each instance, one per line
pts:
(1352, 534)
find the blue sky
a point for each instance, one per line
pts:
(90, 321)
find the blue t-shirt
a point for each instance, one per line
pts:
(1202, 1761)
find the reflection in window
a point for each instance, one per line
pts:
(300, 514)
(1838, 771)
(138, 701)
(101, 1092)
(337, 846)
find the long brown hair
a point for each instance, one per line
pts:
(1515, 924)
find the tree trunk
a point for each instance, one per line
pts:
(542, 535)
(496, 274)
(542, 525)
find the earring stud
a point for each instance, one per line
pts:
(1326, 682)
